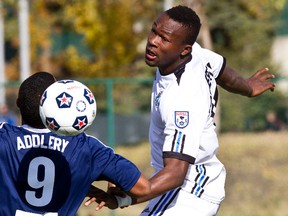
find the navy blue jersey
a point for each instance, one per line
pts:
(44, 172)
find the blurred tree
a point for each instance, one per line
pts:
(112, 32)
(41, 23)
(109, 31)
(84, 39)
(106, 38)
(243, 32)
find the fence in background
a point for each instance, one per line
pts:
(110, 127)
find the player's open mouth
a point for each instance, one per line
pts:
(150, 55)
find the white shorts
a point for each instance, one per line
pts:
(180, 202)
(23, 213)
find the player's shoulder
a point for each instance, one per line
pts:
(7, 131)
(198, 50)
(214, 61)
(92, 140)
(4, 126)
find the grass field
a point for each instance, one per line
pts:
(257, 175)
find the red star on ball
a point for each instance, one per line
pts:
(64, 100)
(51, 125)
(81, 123)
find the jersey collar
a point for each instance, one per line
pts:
(37, 130)
(180, 69)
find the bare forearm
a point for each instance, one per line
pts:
(160, 184)
(231, 81)
(255, 85)
(170, 177)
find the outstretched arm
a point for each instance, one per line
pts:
(170, 177)
(251, 87)
(119, 198)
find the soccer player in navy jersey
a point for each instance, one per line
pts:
(189, 179)
(42, 173)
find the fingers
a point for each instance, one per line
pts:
(263, 75)
(266, 76)
(259, 82)
(100, 205)
(261, 71)
(90, 201)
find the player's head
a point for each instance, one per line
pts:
(189, 20)
(29, 95)
(170, 41)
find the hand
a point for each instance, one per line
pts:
(116, 191)
(101, 197)
(259, 83)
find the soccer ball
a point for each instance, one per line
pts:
(67, 107)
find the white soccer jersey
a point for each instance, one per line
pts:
(183, 105)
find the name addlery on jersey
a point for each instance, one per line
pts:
(40, 141)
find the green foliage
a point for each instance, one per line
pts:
(104, 39)
(110, 32)
(249, 114)
(243, 31)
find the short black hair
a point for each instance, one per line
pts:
(29, 96)
(188, 18)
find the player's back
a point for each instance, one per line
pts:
(42, 172)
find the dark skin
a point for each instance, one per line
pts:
(170, 177)
(166, 50)
(257, 84)
(142, 187)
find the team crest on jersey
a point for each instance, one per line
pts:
(64, 100)
(181, 119)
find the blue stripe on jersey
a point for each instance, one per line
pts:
(160, 206)
(200, 181)
(164, 202)
(178, 142)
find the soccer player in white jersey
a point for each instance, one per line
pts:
(189, 179)
(38, 179)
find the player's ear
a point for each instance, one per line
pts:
(186, 50)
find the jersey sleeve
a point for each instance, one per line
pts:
(216, 61)
(106, 165)
(122, 172)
